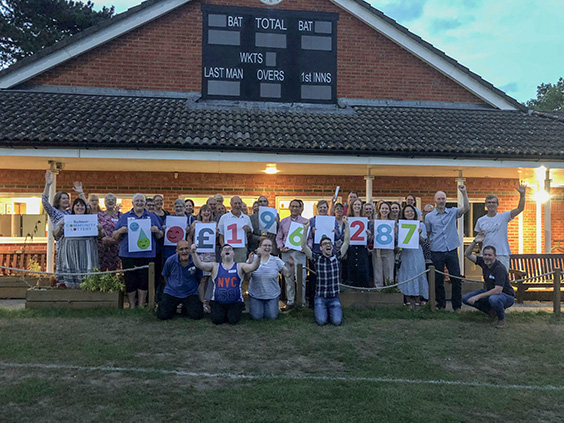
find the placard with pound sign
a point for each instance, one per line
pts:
(384, 234)
(267, 219)
(358, 226)
(295, 235)
(408, 234)
(205, 236)
(234, 234)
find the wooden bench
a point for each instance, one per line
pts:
(524, 266)
(19, 259)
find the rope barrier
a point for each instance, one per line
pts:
(515, 281)
(380, 288)
(74, 274)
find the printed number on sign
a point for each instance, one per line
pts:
(384, 234)
(296, 237)
(233, 229)
(356, 236)
(412, 228)
(268, 219)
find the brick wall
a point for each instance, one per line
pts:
(166, 55)
(202, 184)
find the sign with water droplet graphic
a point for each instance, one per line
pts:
(139, 237)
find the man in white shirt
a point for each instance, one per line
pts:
(236, 213)
(494, 225)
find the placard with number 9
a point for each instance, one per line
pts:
(267, 219)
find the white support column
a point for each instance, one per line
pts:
(539, 223)
(50, 239)
(547, 216)
(460, 181)
(369, 179)
(520, 217)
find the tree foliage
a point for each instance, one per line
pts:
(27, 26)
(550, 97)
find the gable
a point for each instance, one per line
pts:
(165, 55)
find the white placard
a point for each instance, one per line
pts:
(139, 236)
(175, 229)
(358, 227)
(295, 235)
(233, 232)
(324, 225)
(408, 234)
(384, 234)
(77, 225)
(205, 236)
(267, 219)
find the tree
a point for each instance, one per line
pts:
(549, 97)
(27, 26)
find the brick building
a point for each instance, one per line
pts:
(191, 98)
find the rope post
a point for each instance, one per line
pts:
(151, 270)
(557, 294)
(432, 297)
(299, 282)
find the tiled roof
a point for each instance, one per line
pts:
(43, 120)
(117, 19)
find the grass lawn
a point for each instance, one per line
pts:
(386, 362)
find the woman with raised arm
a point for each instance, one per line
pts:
(413, 263)
(357, 255)
(108, 247)
(264, 289)
(205, 215)
(76, 254)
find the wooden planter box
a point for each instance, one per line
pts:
(72, 298)
(15, 287)
(371, 299)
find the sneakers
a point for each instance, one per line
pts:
(500, 324)
(287, 307)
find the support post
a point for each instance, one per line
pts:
(432, 296)
(369, 180)
(299, 282)
(557, 293)
(151, 270)
(547, 220)
(50, 239)
(460, 181)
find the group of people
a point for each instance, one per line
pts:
(199, 283)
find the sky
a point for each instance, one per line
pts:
(514, 44)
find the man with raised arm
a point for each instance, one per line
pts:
(327, 307)
(498, 293)
(184, 285)
(494, 224)
(441, 229)
(227, 299)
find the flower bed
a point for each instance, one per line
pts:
(71, 298)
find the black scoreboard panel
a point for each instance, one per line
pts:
(253, 54)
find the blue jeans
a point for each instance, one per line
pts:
(450, 260)
(263, 309)
(328, 310)
(496, 302)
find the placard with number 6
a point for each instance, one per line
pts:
(358, 226)
(408, 234)
(204, 237)
(384, 234)
(267, 219)
(233, 233)
(295, 235)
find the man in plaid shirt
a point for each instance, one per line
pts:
(327, 304)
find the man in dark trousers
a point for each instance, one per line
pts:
(498, 293)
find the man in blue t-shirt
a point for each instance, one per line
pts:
(498, 294)
(183, 285)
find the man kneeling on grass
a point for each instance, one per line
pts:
(498, 293)
(227, 299)
(327, 306)
(182, 285)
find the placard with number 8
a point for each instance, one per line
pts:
(384, 234)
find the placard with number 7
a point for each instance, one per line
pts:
(233, 233)
(384, 234)
(267, 219)
(358, 227)
(408, 234)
